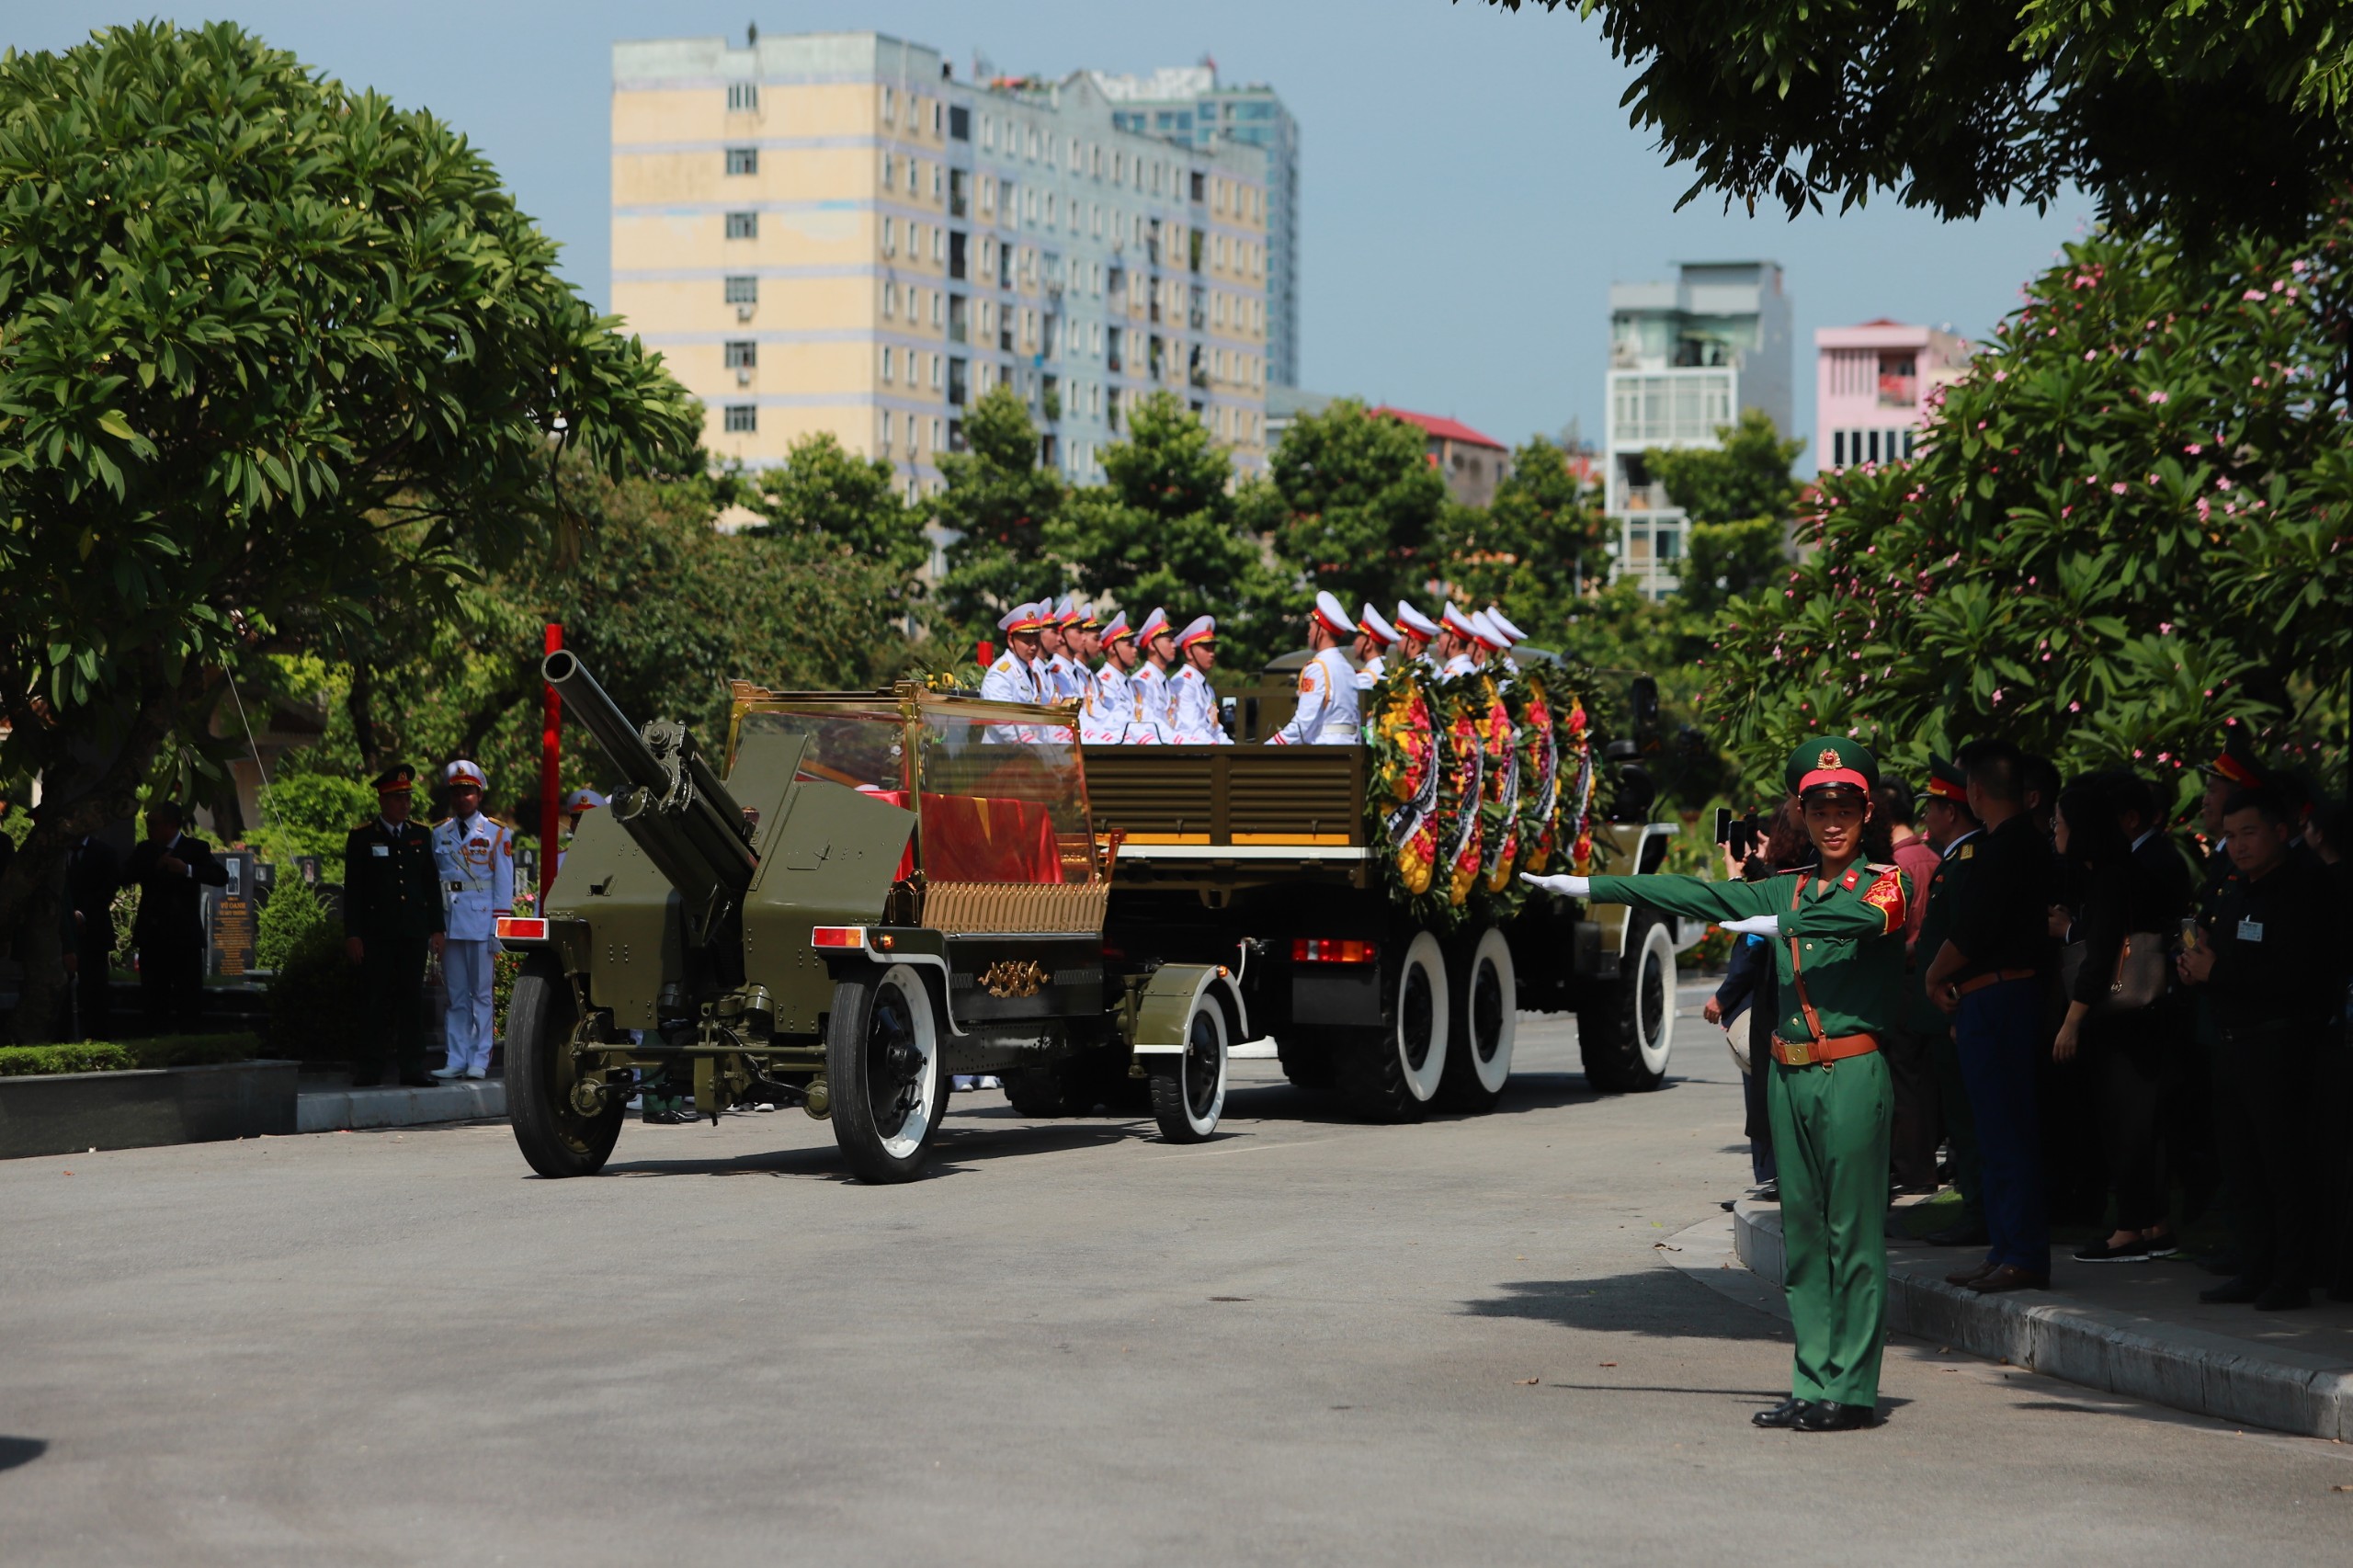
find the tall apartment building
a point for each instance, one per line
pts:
(1684, 357)
(828, 232)
(1873, 386)
(1187, 104)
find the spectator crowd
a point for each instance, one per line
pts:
(2110, 1026)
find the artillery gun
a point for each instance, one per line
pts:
(886, 890)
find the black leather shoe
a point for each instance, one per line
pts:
(1958, 1236)
(2009, 1277)
(1970, 1276)
(1828, 1415)
(420, 1079)
(2283, 1299)
(2235, 1293)
(1786, 1414)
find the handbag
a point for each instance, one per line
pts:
(2139, 979)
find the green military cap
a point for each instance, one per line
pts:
(398, 780)
(1947, 782)
(1830, 762)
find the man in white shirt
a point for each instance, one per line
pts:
(1109, 716)
(1326, 714)
(1488, 646)
(1375, 637)
(1456, 639)
(1416, 632)
(1149, 680)
(1053, 666)
(1014, 676)
(1193, 706)
(474, 855)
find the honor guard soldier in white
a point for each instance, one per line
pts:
(1512, 634)
(474, 856)
(1326, 714)
(1156, 702)
(1375, 637)
(1416, 631)
(1193, 714)
(1456, 640)
(1056, 682)
(1014, 678)
(1109, 718)
(1075, 676)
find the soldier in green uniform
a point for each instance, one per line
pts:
(1955, 833)
(391, 916)
(1838, 930)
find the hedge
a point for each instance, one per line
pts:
(123, 1056)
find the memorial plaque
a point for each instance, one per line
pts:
(307, 868)
(229, 917)
(527, 875)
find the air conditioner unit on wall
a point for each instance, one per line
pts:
(743, 376)
(742, 312)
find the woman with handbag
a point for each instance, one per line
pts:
(2114, 973)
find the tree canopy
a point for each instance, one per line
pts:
(2128, 521)
(999, 500)
(274, 356)
(1359, 501)
(1737, 496)
(2215, 115)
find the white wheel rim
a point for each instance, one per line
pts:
(911, 1132)
(1656, 949)
(1425, 960)
(1493, 953)
(1205, 1123)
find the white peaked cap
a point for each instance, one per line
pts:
(1454, 617)
(1201, 628)
(465, 772)
(1373, 626)
(1116, 628)
(1415, 622)
(1154, 625)
(1335, 620)
(1489, 634)
(1506, 626)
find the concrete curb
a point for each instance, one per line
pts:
(2189, 1368)
(334, 1111)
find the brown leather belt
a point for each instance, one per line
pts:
(1991, 977)
(1822, 1052)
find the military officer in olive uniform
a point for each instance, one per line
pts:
(391, 917)
(1838, 933)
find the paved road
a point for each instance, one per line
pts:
(1307, 1342)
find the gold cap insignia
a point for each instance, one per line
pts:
(1829, 758)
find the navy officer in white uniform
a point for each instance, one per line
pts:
(473, 854)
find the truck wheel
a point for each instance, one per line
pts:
(1625, 1035)
(1486, 1020)
(883, 1057)
(556, 1138)
(1306, 1057)
(1188, 1088)
(1391, 1073)
(1041, 1091)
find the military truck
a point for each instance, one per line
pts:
(886, 890)
(892, 889)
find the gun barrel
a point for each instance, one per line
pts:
(563, 671)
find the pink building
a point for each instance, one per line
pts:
(1873, 387)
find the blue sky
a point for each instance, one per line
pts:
(1470, 185)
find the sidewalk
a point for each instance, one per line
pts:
(2136, 1329)
(327, 1103)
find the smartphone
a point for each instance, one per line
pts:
(1724, 825)
(2189, 934)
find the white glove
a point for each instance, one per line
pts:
(1754, 925)
(1568, 887)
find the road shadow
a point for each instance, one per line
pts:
(15, 1451)
(957, 1151)
(1655, 1303)
(1526, 1093)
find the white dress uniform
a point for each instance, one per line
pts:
(1326, 715)
(1010, 680)
(1154, 705)
(1192, 709)
(1373, 624)
(475, 859)
(1461, 664)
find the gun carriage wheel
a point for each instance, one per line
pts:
(556, 1135)
(1189, 1087)
(883, 1058)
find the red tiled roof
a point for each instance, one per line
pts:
(1445, 430)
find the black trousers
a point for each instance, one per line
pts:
(170, 984)
(1919, 1127)
(94, 997)
(2265, 1124)
(392, 995)
(2135, 1055)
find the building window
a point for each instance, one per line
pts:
(890, 106)
(889, 237)
(938, 246)
(742, 159)
(960, 124)
(988, 133)
(743, 418)
(955, 382)
(938, 316)
(890, 172)
(742, 226)
(934, 372)
(742, 355)
(937, 113)
(936, 428)
(889, 357)
(742, 290)
(743, 95)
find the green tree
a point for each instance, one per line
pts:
(1000, 501)
(2128, 522)
(274, 356)
(1355, 502)
(1165, 529)
(1745, 475)
(821, 491)
(2230, 115)
(1537, 545)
